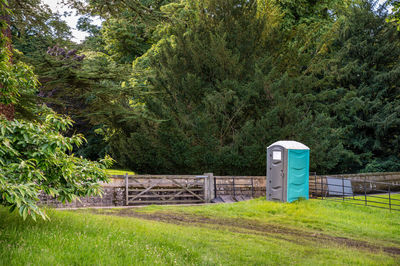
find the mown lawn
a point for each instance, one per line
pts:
(118, 172)
(377, 200)
(256, 232)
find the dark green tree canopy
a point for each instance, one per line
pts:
(196, 86)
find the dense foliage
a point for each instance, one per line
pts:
(212, 86)
(36, 156)
(213, 82)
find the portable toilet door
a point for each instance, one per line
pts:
(287, 171)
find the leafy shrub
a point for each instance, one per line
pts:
(34, 157)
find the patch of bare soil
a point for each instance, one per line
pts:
(247, 226)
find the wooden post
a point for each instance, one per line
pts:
(252, 188)
(209, 187)
(126, 189)
(212, 192)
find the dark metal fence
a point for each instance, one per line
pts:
(236, 188)
(384, 195)
(232, 187)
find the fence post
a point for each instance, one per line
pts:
(215, 187)
(315, 186)
(209, 187)
(343, 187)
(365, 191)
(233, 187)
(252, 188)
(390, 202)
(126, 189)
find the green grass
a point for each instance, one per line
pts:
(87, 238)
(119, 172)
(377, 200)
(335, 218)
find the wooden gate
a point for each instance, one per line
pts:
(164, 189)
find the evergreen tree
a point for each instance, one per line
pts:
(362, 78)
(216, 93)
(213, 82)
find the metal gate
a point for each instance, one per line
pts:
(164, 189)
(383, 195)
(238, 188)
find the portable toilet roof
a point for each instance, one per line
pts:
(290, 145)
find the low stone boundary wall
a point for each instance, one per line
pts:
(115, 190)
(361, 183)
(114, 195)
(390, 177)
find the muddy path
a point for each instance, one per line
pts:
(247, 226)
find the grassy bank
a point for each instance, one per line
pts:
(255, 232)
(378, 200)
(119, 172)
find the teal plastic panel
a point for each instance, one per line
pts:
(298, 171)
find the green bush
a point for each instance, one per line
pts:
(34, 157)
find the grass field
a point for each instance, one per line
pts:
(377, 200)
(255, 232)
(381, 200)
(119, 172)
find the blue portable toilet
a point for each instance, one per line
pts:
(287, 171)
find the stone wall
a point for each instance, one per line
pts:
(361, 183)
(114, 195)
(389, 177)
(114, 192)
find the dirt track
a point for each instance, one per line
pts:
(247, 226)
